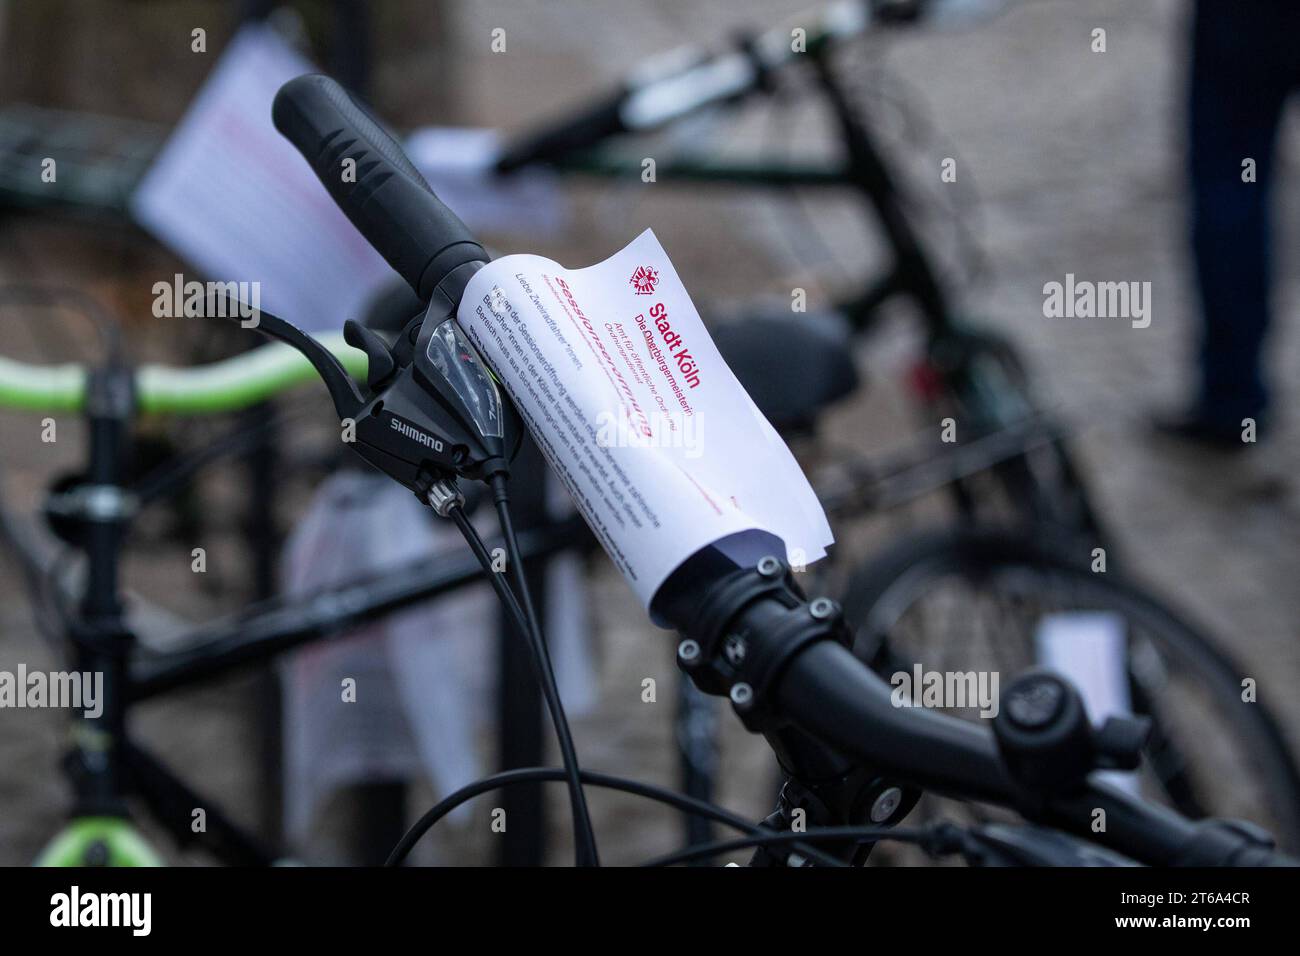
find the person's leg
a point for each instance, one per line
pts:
(1243, 66)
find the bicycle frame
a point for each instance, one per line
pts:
(262, 633)
(864, 170)
(105, 764)
(910, 276)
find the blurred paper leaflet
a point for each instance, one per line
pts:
(459, 163)
(231, 197)
(655, 439)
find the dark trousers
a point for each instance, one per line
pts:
(1245, 63)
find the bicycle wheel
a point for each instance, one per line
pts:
(973, 599)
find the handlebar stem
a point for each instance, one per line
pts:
(741, 630)
(738, 636)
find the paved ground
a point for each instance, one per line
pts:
(1069, 162)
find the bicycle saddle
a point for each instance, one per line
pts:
(792, 364)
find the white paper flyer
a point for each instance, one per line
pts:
(651, 433)
(231, 196)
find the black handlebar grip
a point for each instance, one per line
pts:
(597, 122)
(381, 192)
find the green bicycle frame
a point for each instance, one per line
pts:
(98, 841)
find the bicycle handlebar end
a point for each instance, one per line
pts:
(371, 179)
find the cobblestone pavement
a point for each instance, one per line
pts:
(1068, 162)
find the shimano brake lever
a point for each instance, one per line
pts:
(343, 391)
(433, 412)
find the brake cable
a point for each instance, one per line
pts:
(590, 778)
(433, 415)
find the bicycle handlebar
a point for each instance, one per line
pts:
(669, 87)
(833, 695)
(686, 80)
(224, 386)
(750, 627)
(374, 183)
(592, 124)
(824, 689)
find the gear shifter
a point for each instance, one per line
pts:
(381, 363)
(437, 416)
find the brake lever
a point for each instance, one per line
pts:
(433, 412)
(343, 390)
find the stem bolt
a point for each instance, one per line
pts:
(688, 652)
(769, 567)
(742, 695)
(886, 804)
(823, 609)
